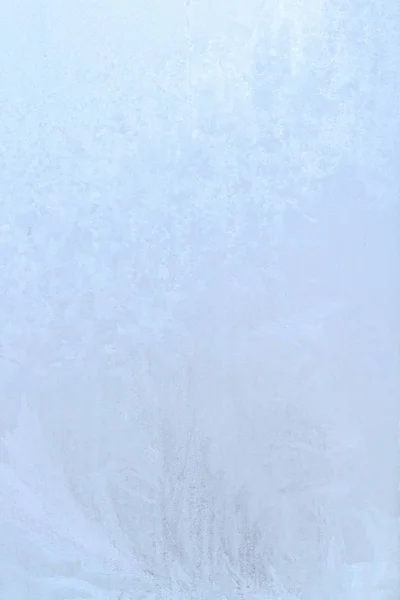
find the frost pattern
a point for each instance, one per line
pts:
(199, 389)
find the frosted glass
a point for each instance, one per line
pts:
(199, 302)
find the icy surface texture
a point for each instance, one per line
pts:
(199, 384)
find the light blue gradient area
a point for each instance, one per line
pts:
(199, 301)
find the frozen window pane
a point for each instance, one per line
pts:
(199, 259)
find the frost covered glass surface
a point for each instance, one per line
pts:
(199, 367)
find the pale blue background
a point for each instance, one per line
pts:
(199, 332)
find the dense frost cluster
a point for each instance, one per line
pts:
(199, 339)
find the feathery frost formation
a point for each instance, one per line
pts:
(198, 291)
